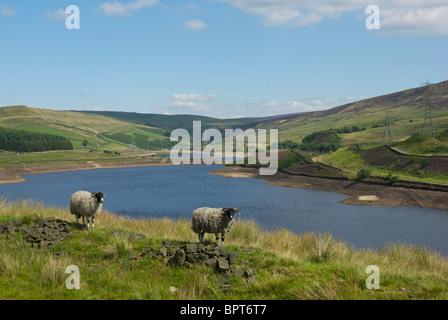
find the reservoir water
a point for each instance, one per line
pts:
(175, 191)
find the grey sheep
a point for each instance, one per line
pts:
(212, 220)
(86, 204)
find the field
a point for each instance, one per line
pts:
(283, 265)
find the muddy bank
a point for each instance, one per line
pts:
(15, 175)
(360, 193)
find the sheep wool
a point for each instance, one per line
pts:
(212, 220)
(86, 204)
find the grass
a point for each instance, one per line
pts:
(288, 266)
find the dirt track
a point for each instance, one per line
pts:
(386, 195)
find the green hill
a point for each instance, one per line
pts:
(419, 144)
(100, 131)
(405, 110)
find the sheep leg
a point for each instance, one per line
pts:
(84, 220)
(222, 238)
(88, 224)
(77, 218)
(217, 238)
(93, 223)
(201, 237)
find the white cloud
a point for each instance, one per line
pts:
(195, 25)
(6, 11)
(57, 15)
(191, 97)
(419, 21)
(190, 102)
(124, 9)
(397, 16)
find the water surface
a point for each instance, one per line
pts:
(175, 191)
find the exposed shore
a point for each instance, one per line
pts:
(15, 175)
(360, 193)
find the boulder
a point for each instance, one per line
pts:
(178, 259)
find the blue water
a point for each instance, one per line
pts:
(175, 191)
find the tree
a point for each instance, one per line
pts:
(364, 174)
(85, 142)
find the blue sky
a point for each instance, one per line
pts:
(219, 58)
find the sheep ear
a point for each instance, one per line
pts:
(93, 194)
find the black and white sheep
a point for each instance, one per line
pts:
(212, 220)
(86, 204)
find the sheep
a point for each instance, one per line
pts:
(86, 204)
(212, 220)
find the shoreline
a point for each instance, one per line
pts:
(359, 193)
(15, 175)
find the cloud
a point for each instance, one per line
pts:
(6, 11)
(57, 15)
(419, 21)
(399, 16)
(124, 9)
(195, 25)
(190, 102)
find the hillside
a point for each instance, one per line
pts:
(406, 116)
(76, 126)
(126, 259)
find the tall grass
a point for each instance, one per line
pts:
(289, 266)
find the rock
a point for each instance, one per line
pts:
(173, 289)
(238, 273)
(223, 264)
(167, 243)
(223, 252)
(43, 234)
(163, 251)
(224, 279)
(178, 259)
(249, 273)
(232, 257)
(211, 262)
(191, 248)
(196, 257)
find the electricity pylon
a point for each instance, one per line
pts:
(388, 135)
(428, 116)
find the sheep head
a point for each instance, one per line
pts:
(230, 212)
(99, 196)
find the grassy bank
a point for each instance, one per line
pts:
(287, 266)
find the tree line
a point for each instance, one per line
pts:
(17, 140)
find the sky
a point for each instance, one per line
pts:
(217, 58)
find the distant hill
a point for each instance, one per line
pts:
(117, 130)
(405, 109)
(171, 122)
